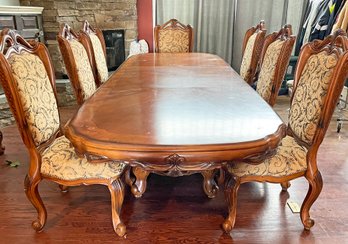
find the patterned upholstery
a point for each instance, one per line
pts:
(60, 161)
(268, 68)
(173, 41)
(100, 60)
(311, 90)
(36, 94)
(246, 61)
(84, 70)
(289, 159)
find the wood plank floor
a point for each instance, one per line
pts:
(175, 210)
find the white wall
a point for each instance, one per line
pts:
(9, 2)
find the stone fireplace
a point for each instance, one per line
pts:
(104, 14)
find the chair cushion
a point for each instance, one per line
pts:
(173, 41)
(100, 60)
(36, 95)
(268, 68)
(246, 61)
(290, 158)
(61, 162)
(311, 90)
(84, 70)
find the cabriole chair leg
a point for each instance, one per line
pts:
(231, 192)
(315, 186)
(116, 189)
(32, 192)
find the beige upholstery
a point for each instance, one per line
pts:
(84, 69)
(36, 94)
(100, 60)
(308, 98)
(246, 61)
(60, 161)
(289, 159)
(268, 68)
(173, 41)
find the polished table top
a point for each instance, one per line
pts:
(194, 105)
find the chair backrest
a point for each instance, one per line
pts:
(97, 42)
(274, 60)
(252, 47)
(173, 37)
(27, 76)
(77, 55)
(321, 71)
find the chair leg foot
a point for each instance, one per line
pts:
(231, 191)
(285, 185)
(63, 188)
(116, 189)
(31, 190)
(315, 186)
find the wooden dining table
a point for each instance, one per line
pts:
(175, 114)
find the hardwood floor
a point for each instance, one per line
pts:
(176, 209)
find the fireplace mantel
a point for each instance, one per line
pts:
(20, 10)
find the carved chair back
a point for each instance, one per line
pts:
(252, 47)
(97, 42)
(27, 77)
(319, 79)
(274, 60)
(77, 55)
(173, 37)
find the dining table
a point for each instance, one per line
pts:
(175, 114)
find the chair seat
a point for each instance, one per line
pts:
(60, 161)
(290, 158)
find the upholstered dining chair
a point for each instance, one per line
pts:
(97, 42)
(320, 74)
(274, 60)
(173, 37)
(77, 55)
(251, 51)
(27, 77)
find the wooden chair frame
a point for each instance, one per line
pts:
(87, 29)
(285, 34)
(261, 33)
(336, 44)
(174, 25)
(10, 43)
(65, 35)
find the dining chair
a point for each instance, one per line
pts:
(77, 55)
(27, 77)
(274, 61)
(173, 37)
(97, 42)
(320, 75)
(251, 51)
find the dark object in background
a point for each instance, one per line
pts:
(115, 48)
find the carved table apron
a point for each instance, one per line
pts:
(175, 114)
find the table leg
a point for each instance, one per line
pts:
(139, 186)
(2, 148)
(209, 185)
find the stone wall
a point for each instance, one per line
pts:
(104, 14)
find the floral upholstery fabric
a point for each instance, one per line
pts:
(84, 70)
(246, 61)
(268, 68)
(60, 161)
(173, 41)
(100, 60)
(36, 95)
(289, 159)
(309, 95)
